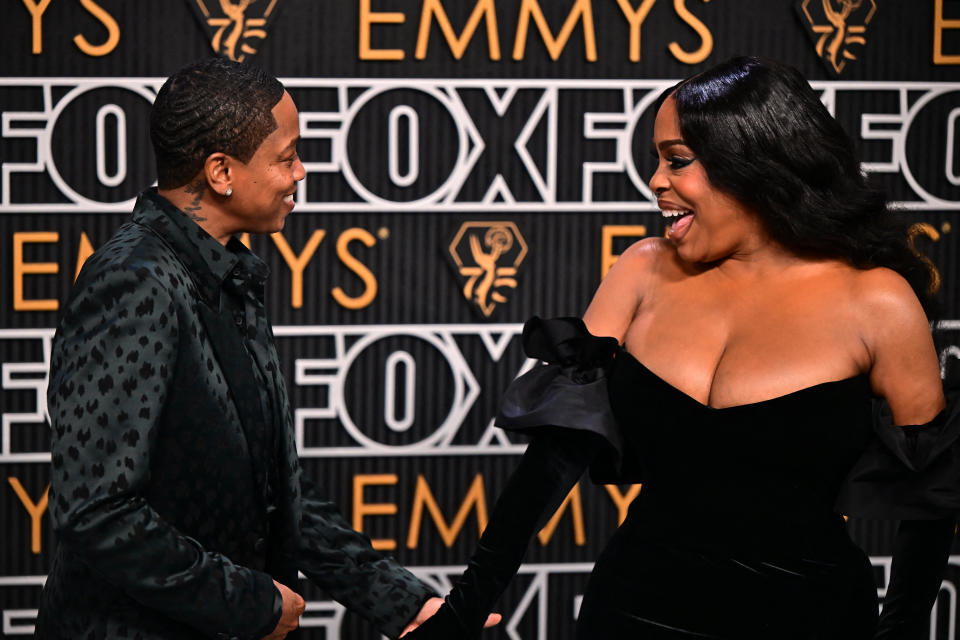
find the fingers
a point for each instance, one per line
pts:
(410, 627)
(299, 605)
(428, 609)
(492, 620)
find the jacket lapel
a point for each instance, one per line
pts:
(231, 354)
(186, 238)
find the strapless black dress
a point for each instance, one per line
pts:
(734, 534)
(737, 531)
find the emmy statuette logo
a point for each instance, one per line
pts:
(837, 27)
(486, 255)
(236, 27)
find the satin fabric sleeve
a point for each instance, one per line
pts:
(563, 405)
(912, 474)
(908, 472)
(568, 390)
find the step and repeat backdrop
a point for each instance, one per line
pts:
(470, 163)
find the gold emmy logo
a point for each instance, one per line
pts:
(235, 27)
(836, 26)
(487, 254)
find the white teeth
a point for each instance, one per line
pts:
(288, 197)
(670, 213)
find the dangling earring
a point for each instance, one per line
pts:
(228, 192)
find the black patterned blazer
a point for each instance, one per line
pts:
(158, 491)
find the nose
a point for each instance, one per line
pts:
(299, 173)
(658, 182)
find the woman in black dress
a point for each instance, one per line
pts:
(740, 361)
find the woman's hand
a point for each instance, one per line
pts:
(430, 608)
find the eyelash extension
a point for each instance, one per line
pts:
(676, 162)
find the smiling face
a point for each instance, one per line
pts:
(263, 188)
(706, 224)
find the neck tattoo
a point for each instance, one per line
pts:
(193, 209)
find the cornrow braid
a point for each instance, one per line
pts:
(213, 105)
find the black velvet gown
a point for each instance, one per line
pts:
(736, 533)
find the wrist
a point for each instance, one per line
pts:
(277, 613)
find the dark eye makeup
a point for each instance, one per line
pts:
(676, 162)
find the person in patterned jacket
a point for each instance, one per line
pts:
(177, 495)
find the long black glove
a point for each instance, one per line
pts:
(553, 462)
(920, 554)
(922, 547)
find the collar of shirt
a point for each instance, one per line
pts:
(210, 262)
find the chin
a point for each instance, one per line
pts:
(687, 253)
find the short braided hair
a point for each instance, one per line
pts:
(212, 105)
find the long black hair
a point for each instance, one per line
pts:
(763, 136)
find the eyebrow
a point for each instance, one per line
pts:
(292, 145)
(670, 143)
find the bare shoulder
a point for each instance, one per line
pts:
(647, 256)
(905, 368)
(622, 289)
(654, 248)
(885, 296)
(880, 281)
(640, 266)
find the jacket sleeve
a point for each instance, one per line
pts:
(342, 561)
(113, 360)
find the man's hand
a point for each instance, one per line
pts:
(293, 607)
(430, 607)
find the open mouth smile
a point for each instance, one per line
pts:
(678, 219)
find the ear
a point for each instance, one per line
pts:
(217, 171)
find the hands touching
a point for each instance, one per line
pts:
(430, 608)
(293, 607)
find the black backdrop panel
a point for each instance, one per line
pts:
(397, 330)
